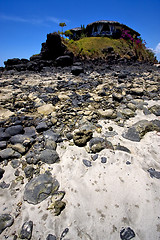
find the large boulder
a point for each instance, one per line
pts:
(64, 61)
(53, 47)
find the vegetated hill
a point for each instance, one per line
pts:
(108, 48)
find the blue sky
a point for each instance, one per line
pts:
(24, 24)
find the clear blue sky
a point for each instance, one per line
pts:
(24, 24)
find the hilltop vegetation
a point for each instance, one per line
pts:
(104, 47)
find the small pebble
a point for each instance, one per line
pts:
(94, 157)
(103, 159)
(87, 163)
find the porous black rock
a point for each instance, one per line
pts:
(81, 137)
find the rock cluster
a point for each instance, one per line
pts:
(41, 111)
(53, 52)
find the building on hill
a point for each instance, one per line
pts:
(103, 28)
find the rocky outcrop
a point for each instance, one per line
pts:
(53, 52)
(53, 47)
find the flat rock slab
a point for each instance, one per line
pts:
(39, 188)
(139, 129)
(6, 220)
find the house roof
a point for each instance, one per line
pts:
(76, 29)
(114, 23)
(102, 21)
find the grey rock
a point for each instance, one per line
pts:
(3, 135)
(50, 144)
(6, 220)
(49, 156)
(127, 234)
(103, 159)
(139, 129)
(132, 135)
(128, 162)
(23, 139)
(64, 233)
(42, 126)
(8, 153)
(4, 185)
(14, 130)
(26, 230)
(39, 188)
(122, 148)
(69, 136)
(15, 163)
(94, 157)
(155, 110)
(30, 132)
(51, 237)
(49, 134)
(87, 163)
(97, 144)
(3, 144)
(29, 170)
(110, 134)
(154, 173)
(2, 171)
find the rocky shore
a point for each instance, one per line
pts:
(79, 152)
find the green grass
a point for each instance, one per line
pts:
(91, 47)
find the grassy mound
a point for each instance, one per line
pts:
(96, 47)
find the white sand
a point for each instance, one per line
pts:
(101, 199)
